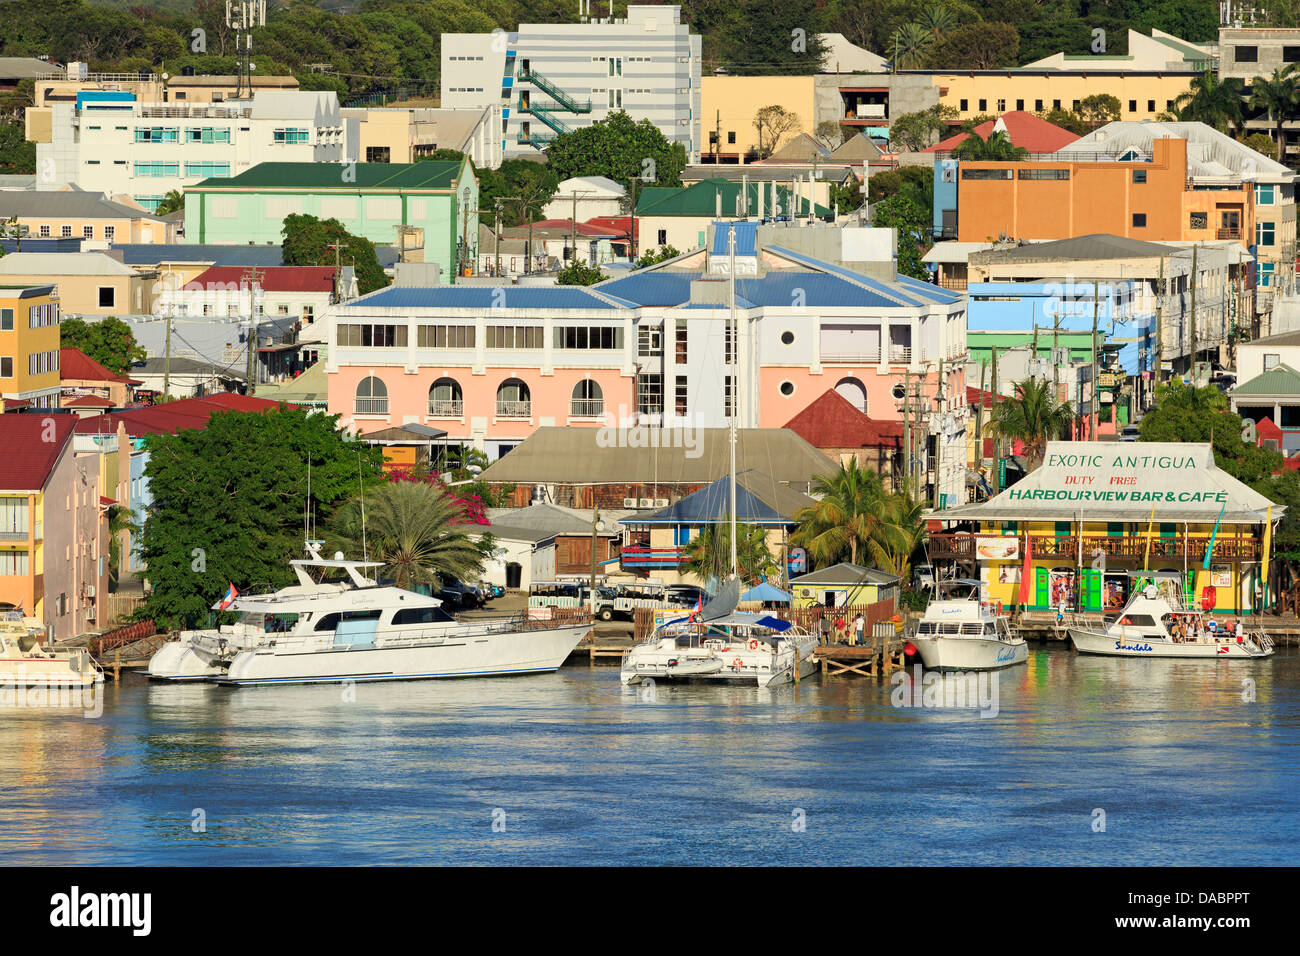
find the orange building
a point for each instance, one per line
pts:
(1150, 201)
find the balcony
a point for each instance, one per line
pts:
(640, 557)
(900, 354)
(852, 358)
(1129, 546)
(446, 408)
(586, 408)
(372, 406)
(514, 409)
(1227, 232)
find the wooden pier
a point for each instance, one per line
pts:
(874, 659)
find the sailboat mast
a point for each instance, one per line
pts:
(735, 392)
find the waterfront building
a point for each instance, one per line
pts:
(824, 310)
(53, 536)
(29, 343)
(82, 215)
(89, 284)
(550, 78)
(833, 424)
(1078, 527)
(425, 207)
(844, 585)
(115, 144)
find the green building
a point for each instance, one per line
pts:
(432, 200)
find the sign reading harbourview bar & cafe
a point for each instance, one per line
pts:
(1117, 477)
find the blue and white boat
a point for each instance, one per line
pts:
(960, 633)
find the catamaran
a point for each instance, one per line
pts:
(359, 630)
(24, 662)
(1156, 622)
(960, 633)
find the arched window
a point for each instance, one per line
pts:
(372, 397)
(853, 390)
(513, 400)
(445, 400)
(588, 401)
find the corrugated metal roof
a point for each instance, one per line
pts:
(62, 264)
(653, 287)
(431, 174)
(746, 238)
(1279, 380)
(485, 297)
(66, 204)
(151, 254)
(700, 199)
(759, 500)
(845, 573)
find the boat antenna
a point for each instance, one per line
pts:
(365, 554)
(735, 391)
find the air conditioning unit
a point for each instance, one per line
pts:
(629, 502)
(661, 502)
(90, 590)
(647, 502)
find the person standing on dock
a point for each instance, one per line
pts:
(859, 627)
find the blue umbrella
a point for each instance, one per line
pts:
(765, 592)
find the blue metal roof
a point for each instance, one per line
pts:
(813, 290)
(484, 297)
(712, 503)
(746, 238)
(152, 253)
(654, 287)
(906, 290)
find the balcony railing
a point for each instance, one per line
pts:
(446, 408)
(1132, 546)
(900, 353)
(852, 358)
(639, 557)
(372, 406)
(1228, 233)
(514, 409)
(587, 407)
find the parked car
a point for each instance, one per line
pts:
(457, 596)
(1128, 433)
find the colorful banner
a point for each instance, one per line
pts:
(1001, 548)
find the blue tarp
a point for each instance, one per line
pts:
(765, 592)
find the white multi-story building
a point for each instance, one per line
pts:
(554, 77)
(110, 142)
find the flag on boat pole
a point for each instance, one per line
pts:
(229, 599)
(1146, 560)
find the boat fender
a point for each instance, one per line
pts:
(909, 649)
(753, 644)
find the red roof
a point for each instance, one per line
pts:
(615, 225)
(85, 401)
(15, 402)
(171, 417)
(273, 279)
(589, 229)
(832, 421)
(77, 365)
(1023, 129)
(29, 453)
(973, 397)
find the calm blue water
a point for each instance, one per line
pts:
(587, 771)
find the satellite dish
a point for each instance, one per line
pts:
(338, 555)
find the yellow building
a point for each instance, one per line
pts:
(1096, 515)
(88, 283)
(728, 105)
(1141, 95)
(843, 585)
(71, 214)
(29, 344)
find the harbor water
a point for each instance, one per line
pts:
(1086, 761)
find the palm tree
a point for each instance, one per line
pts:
(910, 44)
(1211, 101)
(708, 555)
(1278, 96)
(898, 533)
(414, 528)
(844, 518)
(937, 19)
(172, 202)
(998, 148)
(1034, 417)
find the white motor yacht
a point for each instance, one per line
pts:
(359, 630)
(960, 633)
(1152, 626)
(24, 662)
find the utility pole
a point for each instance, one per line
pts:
(997, 439)
(735, 391)
(595, 524)
(979, 420)
(907, 433)
(167, 350)
(938, 436)
(251, 277)
(1092, 405)
(1160, 302)
(1192, 340)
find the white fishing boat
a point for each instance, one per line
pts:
(358, 630)
(959, 633)
(1155, 624)
(24, 662)
(724, 645)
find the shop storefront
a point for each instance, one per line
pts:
(1095, 513)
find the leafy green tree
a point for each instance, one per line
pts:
(174, 201)
(1099, 109)
(708, 555)
(652, 256)
(1066, 119)
(771, 123)
(578, 273)
(229, 501)
(110, 342)
(417, 529)
(442, 156)
(910, 46)
(1278, 97)
(307, 242)
(1033, 416)
(618, 149)
(1211, 101)
(913, 225)
(997, 148)
(523, 187)
(842, 522)
(1184, 413)
(911, 182)
(917, 131)
(1261, 143)
(976, 46)
(769, 37)
(17, 155)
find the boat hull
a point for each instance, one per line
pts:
(1100, 643)
(744, 666)
(473, 655)
(57, 672)
(953, 653)
(182, 661)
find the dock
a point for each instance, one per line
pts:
(874, 659)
